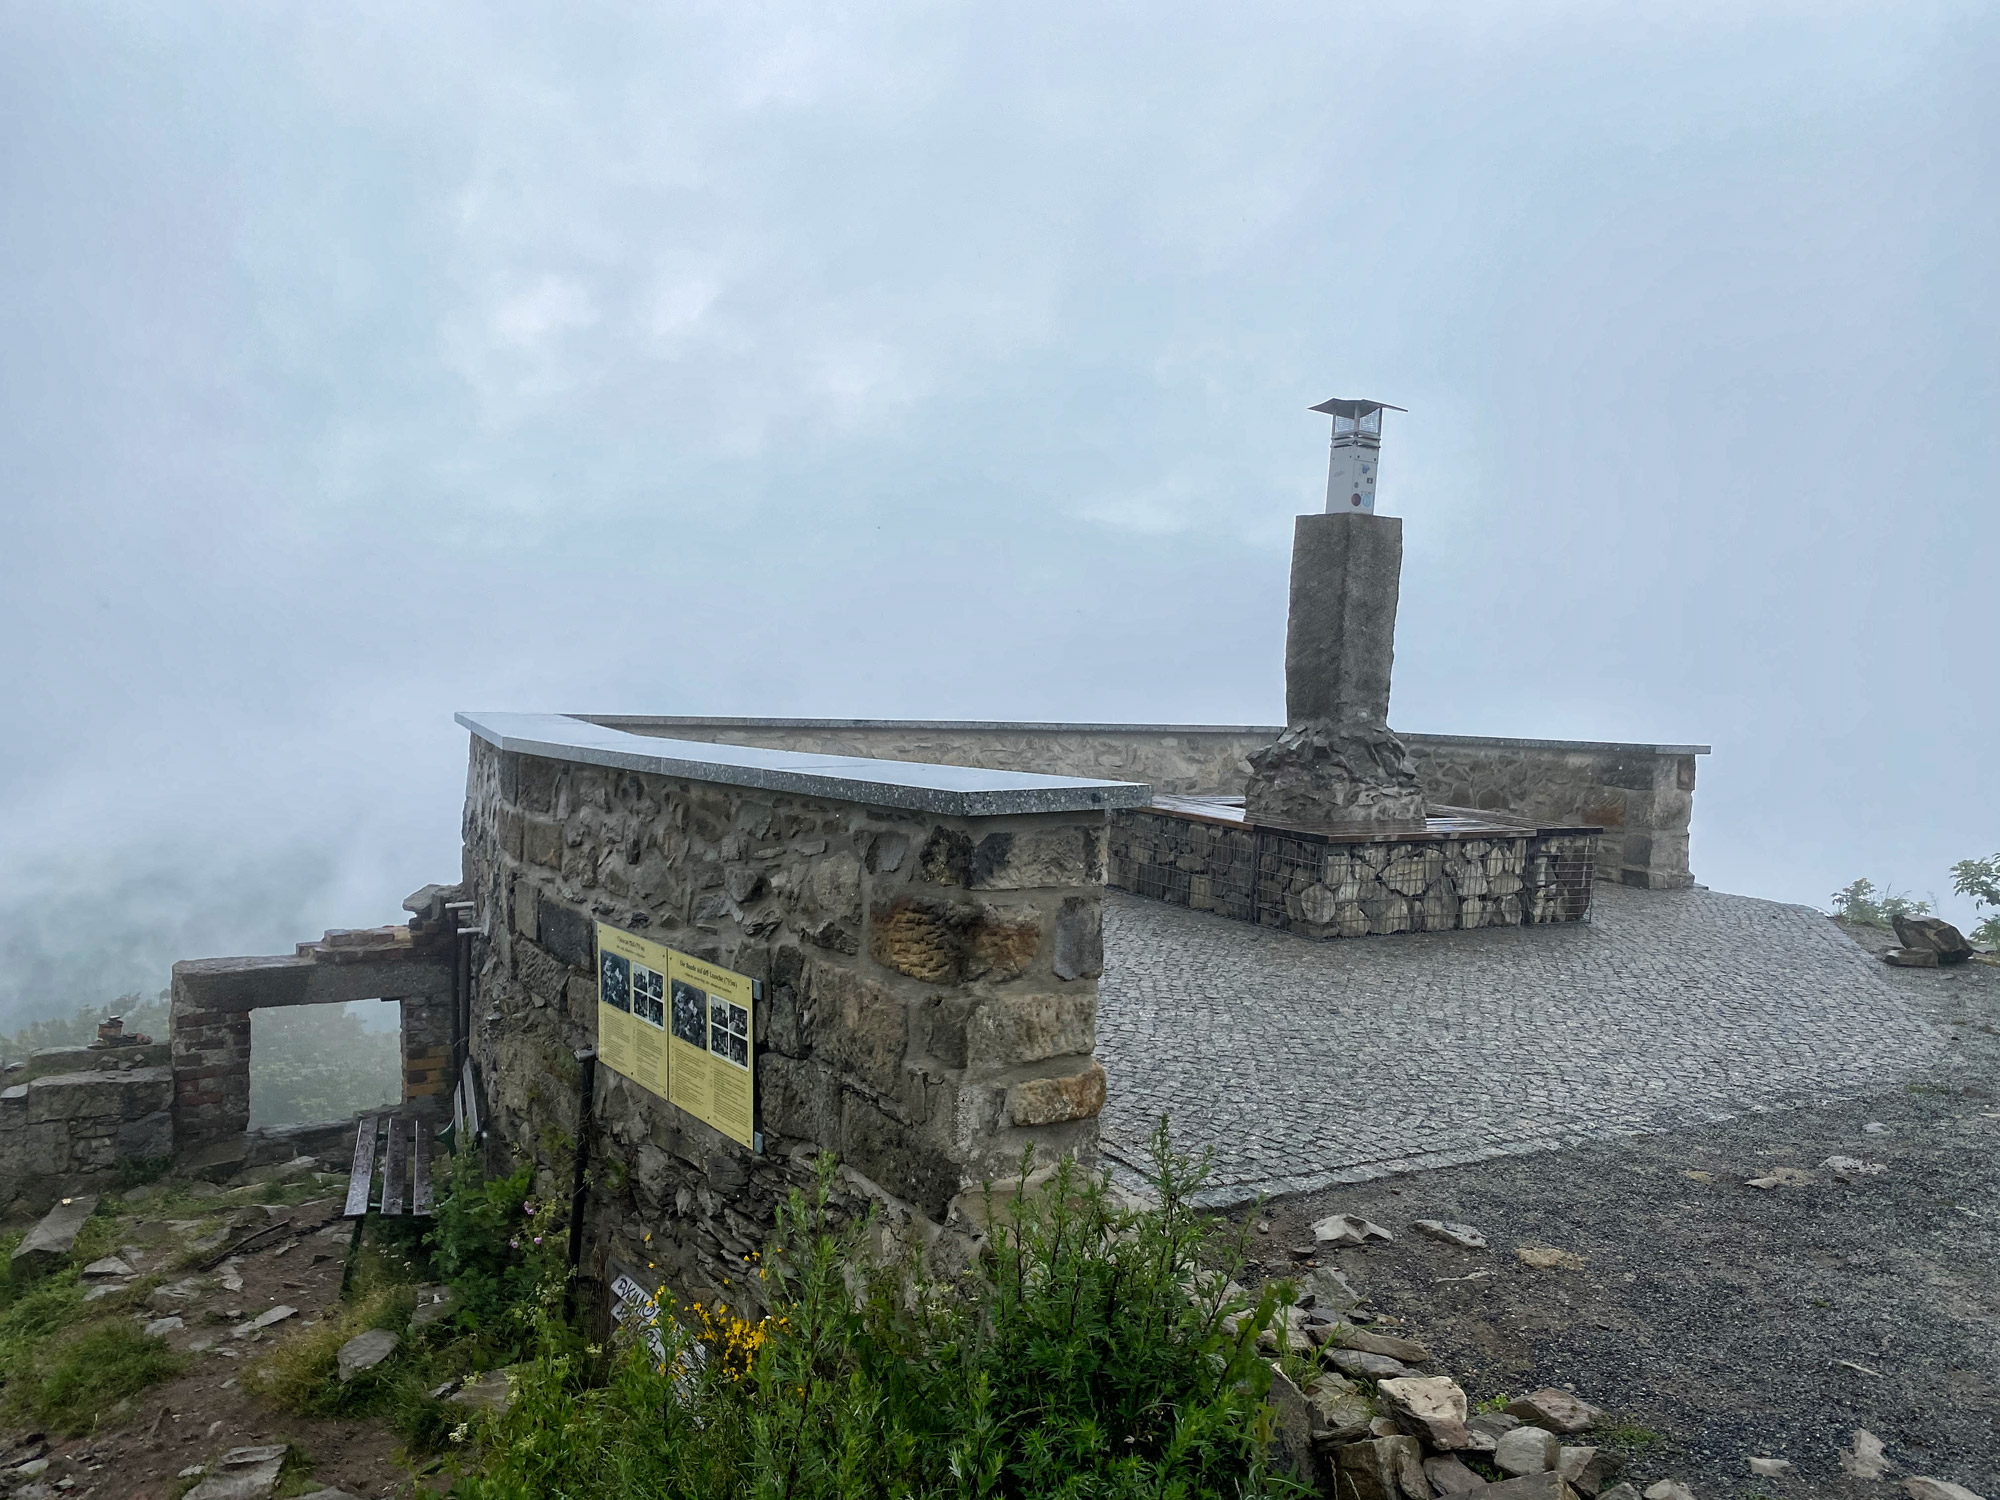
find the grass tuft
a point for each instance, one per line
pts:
(67, 1382)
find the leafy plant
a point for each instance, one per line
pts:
(1860, 903)
(495, 1246)
(1980, 879)
(1091, 1351)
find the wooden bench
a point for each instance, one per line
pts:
(401, 1144)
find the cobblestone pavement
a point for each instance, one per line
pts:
(1306, 1064)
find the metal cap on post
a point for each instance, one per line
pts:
(1356, 457)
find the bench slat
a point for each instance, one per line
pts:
(363, 1171)
(394, 1169)
(468, 1081)
(420, 1189)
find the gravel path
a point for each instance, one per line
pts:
(1305, 1064)
(1712, 1319)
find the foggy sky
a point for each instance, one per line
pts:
(359, 364)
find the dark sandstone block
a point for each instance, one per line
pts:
(1079, 946)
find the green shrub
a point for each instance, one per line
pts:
(1980, 879)
(1860, 903)
(495, 1246)
(1091, 1352)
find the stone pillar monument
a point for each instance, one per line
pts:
(1337, 765)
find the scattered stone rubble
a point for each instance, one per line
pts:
(1372, 1421)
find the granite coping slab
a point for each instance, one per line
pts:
(651, 726)
(952, 791)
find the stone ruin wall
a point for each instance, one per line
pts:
(929, 1005)
(1642, 796)
(74, 1113)
(74, 1117)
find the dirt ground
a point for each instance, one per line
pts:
(1717, 1321)
(141, 1448)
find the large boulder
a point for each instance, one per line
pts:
(1934, 934)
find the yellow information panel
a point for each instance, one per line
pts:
(679, 1027)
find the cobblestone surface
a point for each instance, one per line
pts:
(1306, 1064)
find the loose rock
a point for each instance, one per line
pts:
(1433, 1406)
(433, 1302)
(49, 1243)
(492, 1391)
(1386, 1467)
(1409, 1351)
(1556, 1409)
(1921, 1488)
(264, 1320)
(1669, 1489)
(1589, 1469)
(1782, 1177)
(1336, 1409)
(1449, 1475)
(111, 1265)
(243, 1474)
(1369, 1366)
(1495, 1424)
(1548, 1258)
(1847, 1168)
(365, 1351)
(1326, 1290)
(1545, 1486)
(1911, 958)
(1527, 1450)
(1462, 1235)
(1864, 1458)
(161, 1326)
(1291, 1437)
(1771, 1468)
(1933, 935)
(1348, 1229)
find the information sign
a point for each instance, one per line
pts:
(679, 1027)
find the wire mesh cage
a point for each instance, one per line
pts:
(1324, 886)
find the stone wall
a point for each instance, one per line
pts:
(928, 1008)
(1322, 886)
(77, 1113)
(1642, 796)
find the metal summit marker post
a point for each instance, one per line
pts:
(1356, 453)
(1337, 765)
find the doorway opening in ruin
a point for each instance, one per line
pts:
(316, 1064)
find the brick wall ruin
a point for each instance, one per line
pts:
(929, 994)
(1642, 796)
(210, 1028)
